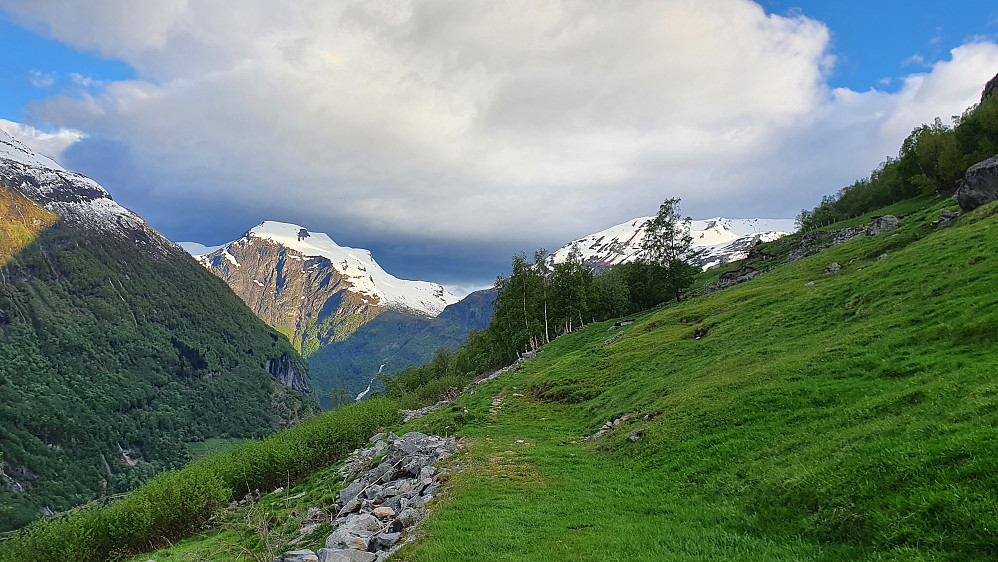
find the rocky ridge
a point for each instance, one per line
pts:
(383, 506)
(312, 289)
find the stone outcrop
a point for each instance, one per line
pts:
(290, 373)
(979, 186)
(378, 512)
(990, 89)
(882, 224)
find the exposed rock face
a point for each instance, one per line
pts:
(305, 297)
(289, 373)
(980, 185)
(990, 89)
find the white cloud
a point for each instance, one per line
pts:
(530, 122)
(47, 144)
(41, 79)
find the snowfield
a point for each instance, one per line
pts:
(356, 265)
(721, 240)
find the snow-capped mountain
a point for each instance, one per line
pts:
(308, 286)
(74, 197)
(720, 240)
(106, 330)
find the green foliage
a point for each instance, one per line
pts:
(176, 503)
(851, 419)
(106, 346)
(931, 160)
(537, 303)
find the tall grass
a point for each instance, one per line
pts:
(177, 503)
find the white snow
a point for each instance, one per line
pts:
(358, 267)
(720, 239)
(13, 149)
(197, 250)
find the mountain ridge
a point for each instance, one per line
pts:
(720, 240)
(118, 352)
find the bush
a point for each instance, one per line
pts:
(177, 503)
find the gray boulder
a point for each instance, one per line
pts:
(345, 555)
(354, 533)
(979, 186)
(304, 555)
(885, 223)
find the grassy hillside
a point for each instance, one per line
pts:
(849, 419)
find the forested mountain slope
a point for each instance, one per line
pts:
(117, 350)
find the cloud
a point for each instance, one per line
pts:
(52, 145)
(916, 60)
(462, 123)
(40, 79)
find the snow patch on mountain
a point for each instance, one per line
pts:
(72, 196)
(719, 239)
(195, 249)
(17, 151)
(365, 276)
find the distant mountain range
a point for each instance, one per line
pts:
(341, 309)
(118, 352)
(720, 240)
(351, 319)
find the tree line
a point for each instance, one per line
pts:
(541, 300)
(933, 159)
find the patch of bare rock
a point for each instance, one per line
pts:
(383, 506)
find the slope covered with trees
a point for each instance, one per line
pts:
(933, 159)
(117, 350)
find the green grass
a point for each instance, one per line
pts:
(853, 419)
(849, 420)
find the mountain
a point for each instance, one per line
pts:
(394, 341)
(721, 240)
(118, 352)
(313, 290)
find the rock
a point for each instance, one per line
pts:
(406, 518)
(354, 532)
(946, 216)
(384, 513)
(290, 373)
(979, 186)
(635, 436)
(352, 491)
(990, 89)
(386, 540)
(345, 555)
(833, 268)
(809, 284)
(304, 555)
(885, 223)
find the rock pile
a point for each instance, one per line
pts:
(383, 504)
(817, 242)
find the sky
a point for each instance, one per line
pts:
(446, 136)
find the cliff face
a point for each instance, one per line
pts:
(290, 373)
(304, 297)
